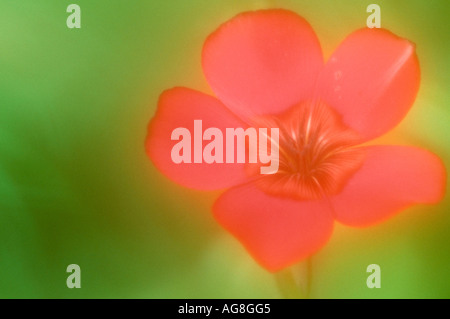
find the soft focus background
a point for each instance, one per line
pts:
(76, 186)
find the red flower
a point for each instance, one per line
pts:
(268, 66)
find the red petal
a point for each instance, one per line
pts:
(179, 107)
(277, 232)
(372, 80)
(391, 179)
(262, 62)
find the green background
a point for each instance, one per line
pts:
(77, 187)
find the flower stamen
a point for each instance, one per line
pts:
(317, 152)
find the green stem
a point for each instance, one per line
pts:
(295, 282)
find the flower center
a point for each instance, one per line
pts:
(316, 152)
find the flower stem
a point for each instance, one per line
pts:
(295, 282)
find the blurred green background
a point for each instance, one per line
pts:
(77, 187)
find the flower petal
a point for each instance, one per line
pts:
(179, 107)
(262, 62)
(391, 179)
(276, 231)
(372, 80)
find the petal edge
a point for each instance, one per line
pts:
(277, 232)
(372, 80)
(179, 107)
(391, 179)
(262, 62)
